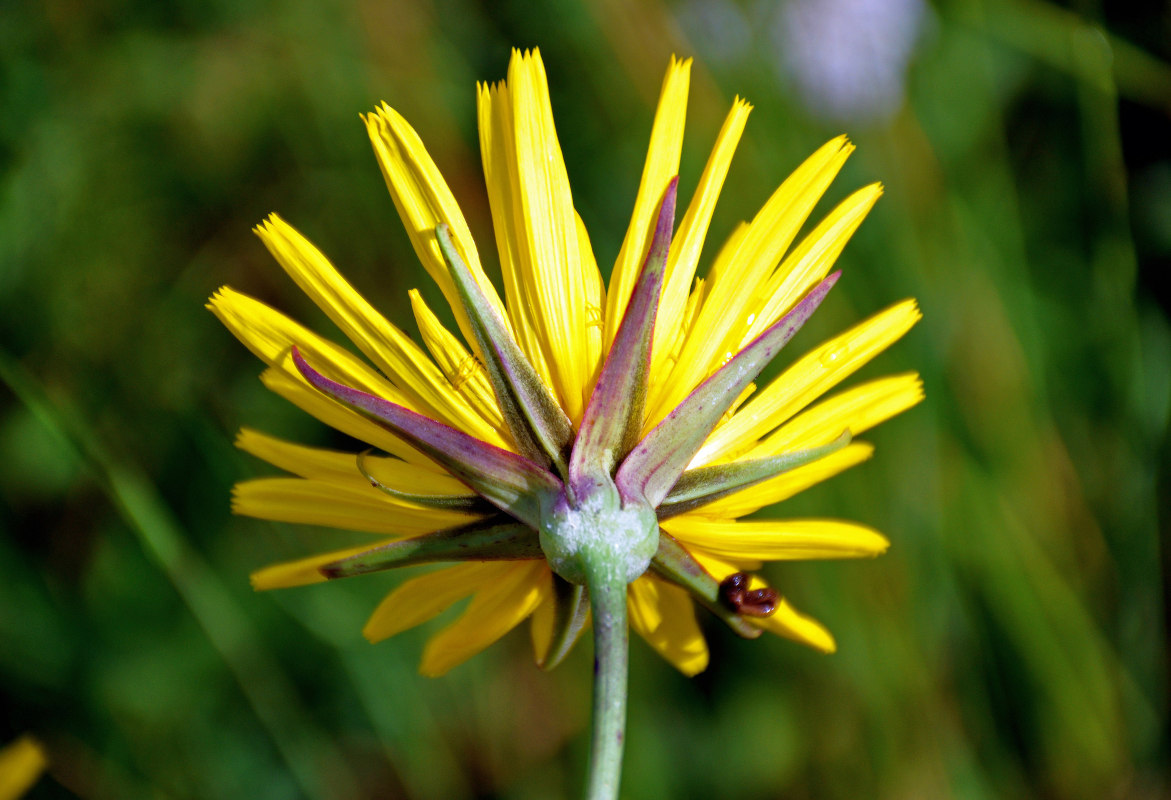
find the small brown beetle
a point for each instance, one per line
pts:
(736, 595)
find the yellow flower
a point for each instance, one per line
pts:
(564, 320)
(21, 764)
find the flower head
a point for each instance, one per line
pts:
(578, 433)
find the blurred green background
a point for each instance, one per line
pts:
(1013, 642)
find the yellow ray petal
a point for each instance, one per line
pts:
(463, 371)
(494, 611)
(659, 380)
(303, 571)
(548, 257)
(326, 503)
(689, 238)
(778, 540)
(720, 567)
(341, 467)
(730, 319)
(541, 625)
(307, 462)
(812, 259)
(289, 384)
(807, 379)
(423, 201)
(494, 109)
(735, 281)
(788, 622)
(855, 410)
(403, 361)
(662, 164)
(665, 616)
(21, 764)
(270, 335)
(428, 596)
(595, 305)
(787, 484)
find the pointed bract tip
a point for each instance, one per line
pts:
(315, 378)
(307, 372)
(666, 221)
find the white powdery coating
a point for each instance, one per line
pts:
(598, 528)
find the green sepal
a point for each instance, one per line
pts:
(674, 563)
(538, 425)
(613, 418)
(654, 466)
(571, 604)
(511, 482)
(497, 538)
(467, 503)
(698, 487)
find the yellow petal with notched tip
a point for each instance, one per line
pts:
(304, 571)
(664, 615)
(662, 164)
(271, 335)
(424, 201)
(548, 257)
(787, 484)
(808, 378)
(743, 316)
(403, 361)
(689, 237)
(494, 108)
(326, 503)
(778, 540)
(812, 259)
(428, 596)
(21, 764)
(856, 410)
(735, 281)
(496, 609)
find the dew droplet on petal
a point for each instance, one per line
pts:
(834, 355)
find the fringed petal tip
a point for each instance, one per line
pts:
(259, 582)
(234, 502)
(266, 226)
(216, 299)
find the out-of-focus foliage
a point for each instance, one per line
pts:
(1013, 642)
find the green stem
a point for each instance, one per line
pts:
(607, 586)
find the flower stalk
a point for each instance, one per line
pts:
(607, 583)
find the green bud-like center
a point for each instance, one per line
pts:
(590, 527)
